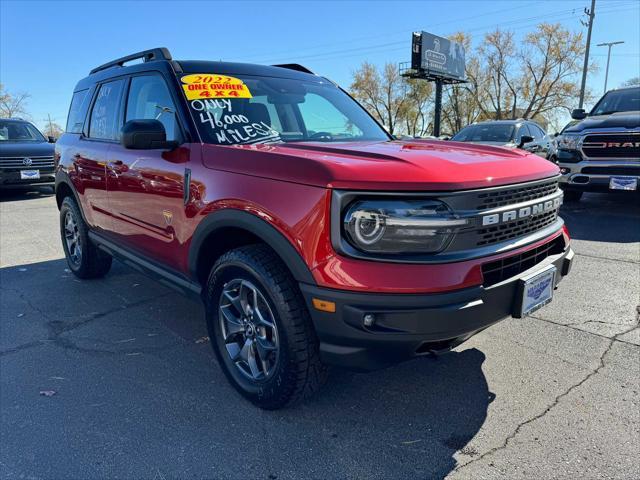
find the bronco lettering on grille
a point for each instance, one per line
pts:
(524, 212)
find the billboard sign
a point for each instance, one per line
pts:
(437, 56)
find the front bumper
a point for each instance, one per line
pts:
(410, 325)
(583, 174)
(12, 177)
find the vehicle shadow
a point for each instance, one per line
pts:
(604, 217)
(137, 368)
(13, 194)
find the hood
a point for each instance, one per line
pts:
(622, 120)
(390, 165)
(26, 149)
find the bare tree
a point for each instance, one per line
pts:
(12, 105)
(418, 98)
(52, 129)
(465, 103)
(551, 60)
(382, 93)
(499, 54)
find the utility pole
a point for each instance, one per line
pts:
(591, 13)
(606, 75)
(50, 126)
(438, 108)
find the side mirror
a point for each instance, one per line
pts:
(50, 139)
(578, 114)
(556, 134)
(525, 139)
(146, 135)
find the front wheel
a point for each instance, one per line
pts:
(260, 328)
(85, 260)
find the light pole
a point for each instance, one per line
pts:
(591, 13)
(606, 75)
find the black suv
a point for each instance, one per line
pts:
(26, 156)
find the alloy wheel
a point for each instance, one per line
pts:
(72, 238)
(248, 329)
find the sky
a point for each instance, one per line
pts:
(47, 46)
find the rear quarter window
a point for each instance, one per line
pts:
(77, 111)
(105, 115)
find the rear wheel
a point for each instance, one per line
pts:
(260, 328)
(85, 260)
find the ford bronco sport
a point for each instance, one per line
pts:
(311, 235)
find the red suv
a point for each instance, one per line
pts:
(312, 236)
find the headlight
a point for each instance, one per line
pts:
(568, 141)
(412, 226)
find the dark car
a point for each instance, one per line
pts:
(520, 133)
(601, 151)
(312, 236)
(26, 156)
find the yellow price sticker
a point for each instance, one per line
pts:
(207, 85)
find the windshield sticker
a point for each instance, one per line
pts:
(204, 85)
(232, 127)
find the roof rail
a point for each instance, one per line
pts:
(295, 66)
(146, 55)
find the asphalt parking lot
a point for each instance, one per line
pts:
(138, 394)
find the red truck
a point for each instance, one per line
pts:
(313, 237)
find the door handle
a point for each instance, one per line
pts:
(186, 192)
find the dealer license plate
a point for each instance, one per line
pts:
(29, 174)
(623, 183)
(538, 290)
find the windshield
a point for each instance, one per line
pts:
(627, 100)
(252, 110)
(486, 132)
(12, 131)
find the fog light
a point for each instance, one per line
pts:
(368, 320)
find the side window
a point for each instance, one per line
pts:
(269, 112)
(149, 98)
(77, 111)
(320, 115)
(538, 133)
(524, 130)
(104, 123)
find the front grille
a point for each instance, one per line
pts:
(500, 270)
(500, 198)
(540, 198)
(14, 163)
(633, 171)
(516, 228)
(611, 145)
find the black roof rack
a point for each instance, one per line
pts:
(146, 55)
(295, 66)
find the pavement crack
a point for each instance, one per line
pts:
(20, 348)
(572, 326)
(634, 262)
(58, 327)
(550, 407)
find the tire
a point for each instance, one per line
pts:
(283, 375)
(87, 261)
(572, 195)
